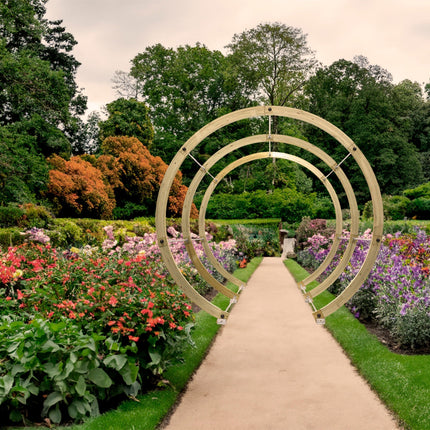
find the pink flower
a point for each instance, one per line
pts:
(113, 301)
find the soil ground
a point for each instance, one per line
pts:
(271, 367)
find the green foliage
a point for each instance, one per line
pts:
(287, 204)
(67, 233)
(28, 215)
(129, 211)
(395, 208)
(419, 208)
(185, 89)
(23, 172)
(35, 216)
(84, 334)
(361, 100)
(10, 215)
(50, 369)
(10, 236)
(420, 191)
(128, 118)
(273, 60)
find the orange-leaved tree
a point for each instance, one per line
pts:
(77, 189)
(135, 175)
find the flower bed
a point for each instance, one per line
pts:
(396, 294)
(84, 328)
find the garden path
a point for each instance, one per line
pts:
(271, 367)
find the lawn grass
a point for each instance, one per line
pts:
(151, 408)
(401, 381)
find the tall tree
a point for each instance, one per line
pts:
(185, 88)
(23, 172)
(128, 118)
(273, 61)
(38, 71)
(39, 97)
(361, 100)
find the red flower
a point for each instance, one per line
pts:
(133, 338)
(113, 301)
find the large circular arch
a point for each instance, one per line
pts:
(291, 141)
(211, 188)
(256, 111)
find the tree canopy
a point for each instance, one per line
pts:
(273, 61)
(171, 93)
(40, 102)
(363, 102)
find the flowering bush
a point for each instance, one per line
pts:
(225, 252)
(396, 293)
(81, 327)
(123, 302)
(309, 227)
(254, 241)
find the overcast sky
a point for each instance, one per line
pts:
(394, 34)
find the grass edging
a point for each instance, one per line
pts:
(150, 409)
(402, 382)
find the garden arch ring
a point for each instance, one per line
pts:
(261, 139)
(194, 184)
(292, 113)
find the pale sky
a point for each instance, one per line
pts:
(393, 34)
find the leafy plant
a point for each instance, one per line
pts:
(396, 294)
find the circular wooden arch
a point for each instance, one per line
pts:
(211, 188)
(307, 117)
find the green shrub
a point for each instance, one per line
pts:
(420, 191)
(323, 208)
(36, 216)
(287, 204)
(54, 370)
(419, 208)
(395, 208)
(129, 211)
(10, 237)
(10, 216)
(66, 233)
